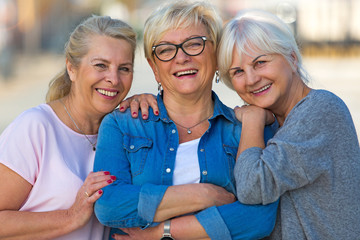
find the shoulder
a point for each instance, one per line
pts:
(319, 104)
(323, 99)
(37, 116)
(118, 117)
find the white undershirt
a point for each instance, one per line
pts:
(187, 169)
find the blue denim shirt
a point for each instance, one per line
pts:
(141, 154)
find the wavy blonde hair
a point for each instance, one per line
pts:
(78, 46)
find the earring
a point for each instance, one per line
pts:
(159, 88)
(217, 76)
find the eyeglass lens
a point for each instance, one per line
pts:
(191, 47)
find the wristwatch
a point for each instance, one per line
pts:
(167, 235)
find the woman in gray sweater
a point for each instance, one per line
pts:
(313, 162)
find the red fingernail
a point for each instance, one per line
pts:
(122, 108)
(107, 173)
(113, 236)
(100, 191)
(113, 178)
(134, 113)
(109, 181)
(156, 112)
(144, 115)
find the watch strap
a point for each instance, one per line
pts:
(167, 229)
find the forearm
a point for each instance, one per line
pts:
(179, 200)
(183, 199)
(188, 228)
(252, 135)
(35, 225)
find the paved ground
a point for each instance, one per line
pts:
(29, 85)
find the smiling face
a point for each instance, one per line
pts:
(104, 76)
(186, 74)
(266, 80)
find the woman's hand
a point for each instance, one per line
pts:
(253, 120)
(87, 195)
(140, 101)
(254, 112)
(218, 196)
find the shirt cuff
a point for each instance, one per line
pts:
(149, 200)
(211, 220)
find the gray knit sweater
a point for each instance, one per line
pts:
(313, 164)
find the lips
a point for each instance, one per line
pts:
(107, 92)
(262, 89)
(186, 73)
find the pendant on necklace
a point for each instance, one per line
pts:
(94, 148)
(189, 131)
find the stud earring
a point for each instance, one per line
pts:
(217, 77)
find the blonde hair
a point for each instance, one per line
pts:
(178, 14)
(257, 30)
(78, 45)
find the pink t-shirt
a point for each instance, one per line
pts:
(54, 159)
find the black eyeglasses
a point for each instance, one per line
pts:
(167, 51)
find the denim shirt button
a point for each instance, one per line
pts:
(173, 131)
(168, 170)
(132, 147)
(202, 150)
(171, 149)
(204, 172)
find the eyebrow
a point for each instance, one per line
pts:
(258, 57)
(106, 61)
(167, 42)
(234, 68)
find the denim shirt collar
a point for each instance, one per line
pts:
(219, 110)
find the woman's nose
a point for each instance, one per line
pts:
(252, 77)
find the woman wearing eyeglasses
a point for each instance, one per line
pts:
(174, 170)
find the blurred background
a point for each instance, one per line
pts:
(33, 34)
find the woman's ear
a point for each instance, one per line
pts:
(154, 69)
(294, 60)
(70, 70)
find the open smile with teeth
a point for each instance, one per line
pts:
(107, 93)
(187, 72)
(262, 89)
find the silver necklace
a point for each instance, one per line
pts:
(92, 144)
(188, 128)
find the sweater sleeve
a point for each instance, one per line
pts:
(122, 203)
(300, 152)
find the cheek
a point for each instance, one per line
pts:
(238, 85)
(127, 82)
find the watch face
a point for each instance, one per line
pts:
(166, 238)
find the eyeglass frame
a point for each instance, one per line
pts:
(179, 46)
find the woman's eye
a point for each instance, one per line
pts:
(236, 73)
(125, 70)
(259, 63)
(100, 66)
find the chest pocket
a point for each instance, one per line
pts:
(137, 149)
(231, 153)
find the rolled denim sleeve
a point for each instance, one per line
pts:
(239, 221)
(211, 220)
(149, 199)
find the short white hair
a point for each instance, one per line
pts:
(176, 14)
(254, 30)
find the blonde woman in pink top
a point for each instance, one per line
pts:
(47, 153)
